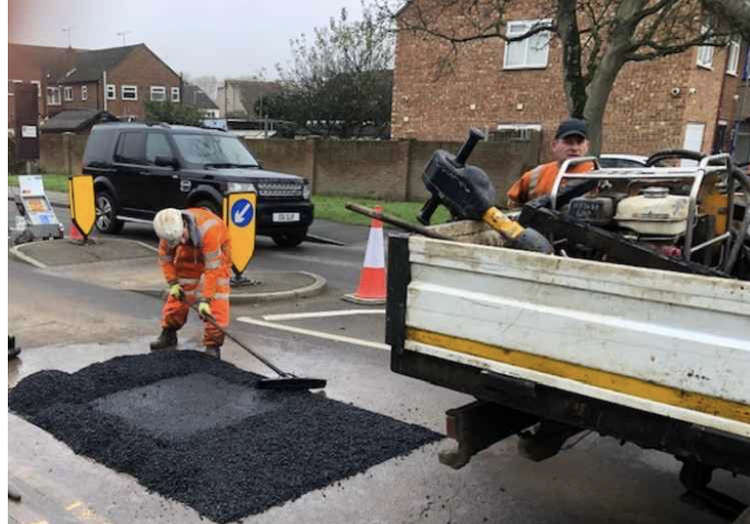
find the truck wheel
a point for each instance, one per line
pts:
(210, 205)
(289, 239)
(106, 213)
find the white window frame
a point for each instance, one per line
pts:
(705, 54)
(111, 92)
(84, 93)
(130, 89)
(158, 89)
(733, 60)
(68, 93)
(38, 84)
(51, 100)
(174, 94)
(528, 24)
(11, 83)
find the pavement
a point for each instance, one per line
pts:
(132, 265)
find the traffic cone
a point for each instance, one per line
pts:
(75, 233)
(371, 288)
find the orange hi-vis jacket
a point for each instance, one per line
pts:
(205, 261)
(539, 181)
(202, 267)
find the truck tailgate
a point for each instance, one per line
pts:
(667, 343)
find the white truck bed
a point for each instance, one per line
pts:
(672, 344)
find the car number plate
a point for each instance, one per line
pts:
(286, 217)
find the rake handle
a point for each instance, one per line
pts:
(211, 320)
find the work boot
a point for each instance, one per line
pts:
(213, 351)
(167, 341)
(546, 441)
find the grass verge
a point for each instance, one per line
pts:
(326, 207)
(51, 182)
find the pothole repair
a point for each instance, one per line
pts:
(196, 430)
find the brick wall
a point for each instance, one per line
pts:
(143, 69)
(61, 153)
(440, 102)
(388, 170)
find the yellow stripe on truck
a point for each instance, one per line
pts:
(593, 377)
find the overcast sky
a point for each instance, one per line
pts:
(225, 38)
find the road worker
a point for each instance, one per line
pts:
(195, 257)
(571, 141)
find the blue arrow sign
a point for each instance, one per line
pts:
(242, 212)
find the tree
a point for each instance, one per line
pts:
(340, 82)
(172, 113)
(598, 37)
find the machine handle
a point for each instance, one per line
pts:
(475, 135)
(429, 207)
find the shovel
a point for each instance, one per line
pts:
(284, 380)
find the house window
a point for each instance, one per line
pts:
(12, 86)
(175, 91)
(111, 92)
(527, 53)
(84, 92)
(734, 56)
(158, 93)
(705, 53)
(129, 92)
(68, 92)
(53, 96)
(38, 85)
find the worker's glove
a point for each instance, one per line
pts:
(177, 292)
(204, 310)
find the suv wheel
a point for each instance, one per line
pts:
(106, 213)
(289, 239)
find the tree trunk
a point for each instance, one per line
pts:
(573, 84)
(606, 72)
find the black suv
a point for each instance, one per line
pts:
(139, 169)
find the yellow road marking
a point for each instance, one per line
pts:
(74, 505)
(594, 377)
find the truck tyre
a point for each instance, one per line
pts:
(292, 239)
(210, 205)
(106, 213)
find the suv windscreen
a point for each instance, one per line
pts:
(214, 151)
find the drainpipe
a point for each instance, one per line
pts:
(104, 88)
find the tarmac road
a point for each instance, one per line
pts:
(68, 324)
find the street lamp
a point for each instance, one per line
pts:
(67, 30)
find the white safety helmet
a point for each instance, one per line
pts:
(168, 225)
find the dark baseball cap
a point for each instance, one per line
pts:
(572, 126)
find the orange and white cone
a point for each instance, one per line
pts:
(371, 288)
(75, 233)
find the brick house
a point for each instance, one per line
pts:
(237, 98)
(118, 80)
(687, 100)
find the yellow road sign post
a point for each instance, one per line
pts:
(81, 200)
(239, 210)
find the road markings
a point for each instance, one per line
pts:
(319, 334)
(324, 314)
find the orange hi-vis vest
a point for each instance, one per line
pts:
(202, 266)
(539, 181)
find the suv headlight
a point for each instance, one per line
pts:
(306, 189)
(239, 187)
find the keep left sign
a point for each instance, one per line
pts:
(239, 217)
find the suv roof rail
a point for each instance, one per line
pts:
(215, 128)
(160, 124)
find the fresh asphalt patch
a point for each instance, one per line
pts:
(196, 430)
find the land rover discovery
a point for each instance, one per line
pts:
(139, 169)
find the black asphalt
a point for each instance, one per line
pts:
(194, 429)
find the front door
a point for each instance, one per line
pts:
(164, 181)
(693, 141)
